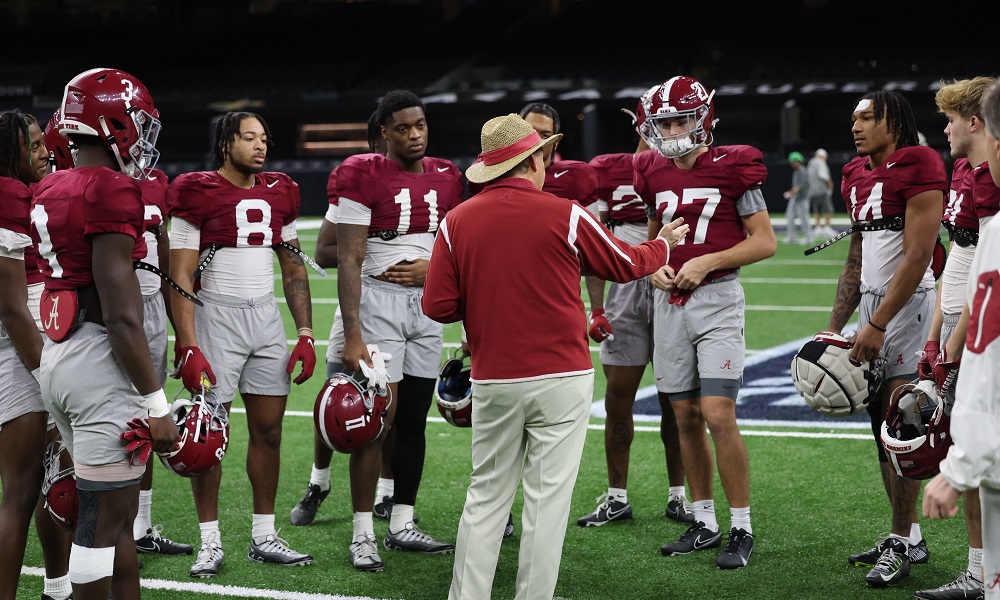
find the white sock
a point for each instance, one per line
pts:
(740, 519)
(976, 563)
(704, 511)
(363, 524)
(677, 491)
(263, 526)
(59, 588)
(915, 536)
(386, 487)
(320, 477)
(401, 515)
(210, 532)
(143, 521)
(619, 494)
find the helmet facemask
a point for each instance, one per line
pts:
(659, 137)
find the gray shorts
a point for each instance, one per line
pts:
(702, 340)
(906, 332)
(89, 396)
(20, 390)
(821, 204)
(335, 350)
(244, 341)
(391, 317)
(154, 323)
(629, 308)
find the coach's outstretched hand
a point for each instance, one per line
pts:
(674, 232)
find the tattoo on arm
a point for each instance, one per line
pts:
(849, 287)
(295, 282)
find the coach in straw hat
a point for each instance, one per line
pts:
(507, 263)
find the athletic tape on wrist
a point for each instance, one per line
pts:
(156, 403)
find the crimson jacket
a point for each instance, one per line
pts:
(507, 262)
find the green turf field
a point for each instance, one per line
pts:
(814, 500)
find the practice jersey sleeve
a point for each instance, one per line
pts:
(986, 193)
(186, 198)
(357, 180)
(113, 205)
(748, 170)
(922, 171)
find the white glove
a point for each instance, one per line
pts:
(377, 374)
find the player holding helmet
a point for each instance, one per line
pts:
(87, 225)
(699, 346)
(895, 191)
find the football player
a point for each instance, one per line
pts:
(97, 375)
(623, 326)
(896, 192)
(571, 179)
(389, 211)
(326, 256)
(973, 198)
(233, 220)
(699, 346)
(22, 413)
(972, 459)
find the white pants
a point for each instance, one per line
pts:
(989, 498)
(532, 431)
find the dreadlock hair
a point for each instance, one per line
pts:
(395, 101)
(374, 131)
(542, 109)
(963, 96)
(14, 139)
(227, 130)
(898, 115)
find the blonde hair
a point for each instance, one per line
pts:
(963, 96)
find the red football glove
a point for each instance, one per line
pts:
(929, 359)
(193, 364)
(305, 351)
(139, 441)
(945, 374)
(600, 328)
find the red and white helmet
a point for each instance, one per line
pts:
(116, 107)
(347, 415)
(454, 391)
(639, 116)
(204, 436)
(59, 487)
(832, 382)
(916, 432)
(679, 98)
(62, 152)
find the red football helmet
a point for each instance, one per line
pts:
(639, 116)
(454, 391)
(62, 152)
(916, 432)
(204, 430)
(679, 98)
(347, 415)
(116, 107)
(59, 487)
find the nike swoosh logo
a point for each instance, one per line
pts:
(151, 178)
(442, 169)
(559, 174)
(659, 378)
(614, 514)
(272, 184)
(889, 166)
(698, 543)
(187, 356)
(718, 158)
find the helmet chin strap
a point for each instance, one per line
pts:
(109, 138)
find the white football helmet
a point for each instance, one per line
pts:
(830, 380)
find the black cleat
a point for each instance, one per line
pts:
(304, 512)
(697, 537)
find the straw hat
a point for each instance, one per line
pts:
(506, 142)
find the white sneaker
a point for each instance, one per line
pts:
(276, 550)
(209, 560)
(364, 553)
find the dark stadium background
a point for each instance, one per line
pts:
(787, 73)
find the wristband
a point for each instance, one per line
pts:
(882, 329)
(156, 403)
(306, 331)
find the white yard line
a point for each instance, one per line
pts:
(234, 591)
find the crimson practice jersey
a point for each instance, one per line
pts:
(705, 195)
(615, 186)
(71, 206)
(231, 216)
(15, 204)
(985, 193)
(881, 193)
(572, 180)
(960, 210)
(154, 198)
(401, 202)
